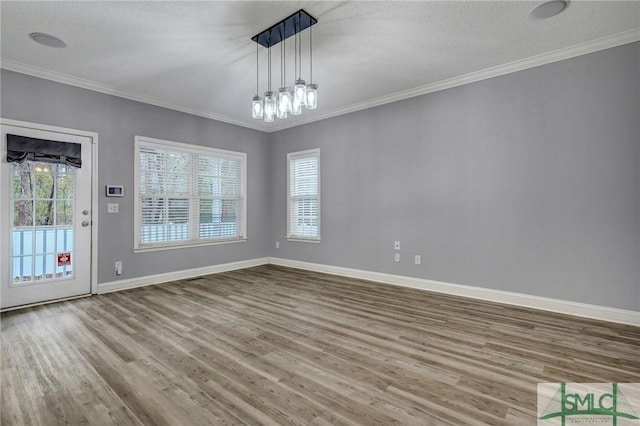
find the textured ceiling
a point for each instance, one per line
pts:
(198, 56)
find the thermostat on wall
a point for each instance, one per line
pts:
(115, 191)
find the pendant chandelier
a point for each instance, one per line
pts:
(287, 100)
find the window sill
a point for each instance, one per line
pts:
(188, 245)
(303, 240)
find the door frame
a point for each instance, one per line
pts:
(4, 244)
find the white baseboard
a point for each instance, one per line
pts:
(603, 313)
(178, 275)
(543, 303)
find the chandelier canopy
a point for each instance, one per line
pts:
(287, 99)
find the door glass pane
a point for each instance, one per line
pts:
(42, 233)
(44, 180)
(64, 183)
(23, 213)
(64, 239)
(44, 212)
(64, 212)
(23, 184)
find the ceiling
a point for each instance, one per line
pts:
(197, 57)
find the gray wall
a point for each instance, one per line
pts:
(117, 120)
(528, 182)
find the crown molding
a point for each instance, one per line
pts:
(59, 77)
(595, 45)
(508, 68)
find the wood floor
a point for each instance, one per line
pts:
(271, 345)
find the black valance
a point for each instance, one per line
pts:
(21, 148)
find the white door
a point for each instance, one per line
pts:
(45, 222)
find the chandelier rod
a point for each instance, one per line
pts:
(269, 72)
(311, 54)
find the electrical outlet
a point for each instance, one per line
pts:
(396, 258)
(396, 245)
(118, 268)
(277, 244)
(418, 259)
(113, 208)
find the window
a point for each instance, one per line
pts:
(303, 210)
(187, 195)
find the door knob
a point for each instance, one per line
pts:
(85, 223)
(85, 212)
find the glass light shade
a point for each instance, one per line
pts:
(311, 101)
(257, 107)
(269, 107)
(299, 91)
(281, 111)
(296, 106)
(284, 99)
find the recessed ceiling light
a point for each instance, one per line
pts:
(47, 40)
(548, 9)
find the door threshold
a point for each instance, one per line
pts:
(46, 302)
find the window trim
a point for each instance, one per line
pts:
(294, 155)
(191, 149)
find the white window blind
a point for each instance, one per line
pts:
(304, 195)
(187, 195)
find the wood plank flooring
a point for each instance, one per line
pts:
(272, 345)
